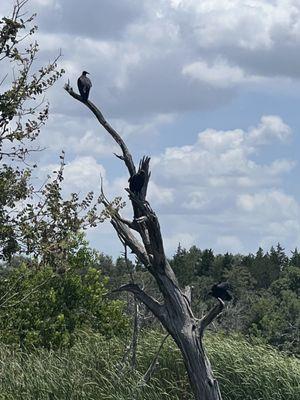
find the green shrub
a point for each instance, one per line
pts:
(42, 308)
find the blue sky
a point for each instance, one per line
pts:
(210, 90)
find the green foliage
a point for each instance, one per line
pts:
(13, 188)
(184, 264)
(49, 229)
(22, 110)
(46, 309)
(205, 264)
(22, 114)
(55, 291)
(37, 222)
(93, 369)
(265, 286)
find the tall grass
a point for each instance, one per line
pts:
(92, 370)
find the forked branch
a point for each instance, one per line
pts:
(154, 306)
(211, 316)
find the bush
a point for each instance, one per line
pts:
(43, 308)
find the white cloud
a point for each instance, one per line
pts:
(147, 127)
(272, 215)
(185, 239)
(271, 126)
(176, 56)
(271, 204)
(223, 158)
(83, 174)
(218, 74)
(79, 135)
(160, 195)
(221, 184)
(229, 243)
(245, 24)
(46, 3)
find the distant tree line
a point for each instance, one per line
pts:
(265, 287)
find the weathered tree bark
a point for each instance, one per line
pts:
(175, 312)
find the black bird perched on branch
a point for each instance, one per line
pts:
(84, 85)
(136, 182)
(220, 290)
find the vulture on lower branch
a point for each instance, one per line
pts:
(220, 290)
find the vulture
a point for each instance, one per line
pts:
(220, 290)
(136, 182)
(84, 86)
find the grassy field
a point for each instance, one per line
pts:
(92, 369)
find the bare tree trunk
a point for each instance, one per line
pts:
(187, 332)
(175, 312)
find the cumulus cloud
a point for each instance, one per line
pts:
(146, 60)
(170, 56)
(217, 182)
(257, 36)
(154, 64)
(273, 214)
(272, 203)
(90, 18)
(222, 159)
(229, 243)
(185, 239)
(79, 135)
(218, 74)
(160, 195)
(271, 126)
(81, 175)
(143, 128)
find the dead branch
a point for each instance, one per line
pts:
(154, 306)
(148, 374)
(131, 241)
(115, 135)
(212, 314)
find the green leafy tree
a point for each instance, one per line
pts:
(37, 222)
(295, 259)
(22, 114)
(43, 308)
(185, 263)
(205, 263)
(260, 269)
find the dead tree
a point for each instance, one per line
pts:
(175, 312)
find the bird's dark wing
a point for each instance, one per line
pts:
(88, 82)
(224, 285)
(84, 85)
(136, 182)
(227, 296)
(80, 85)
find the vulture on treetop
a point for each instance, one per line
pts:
(84, 85)
(136, 182)
(220, 291)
